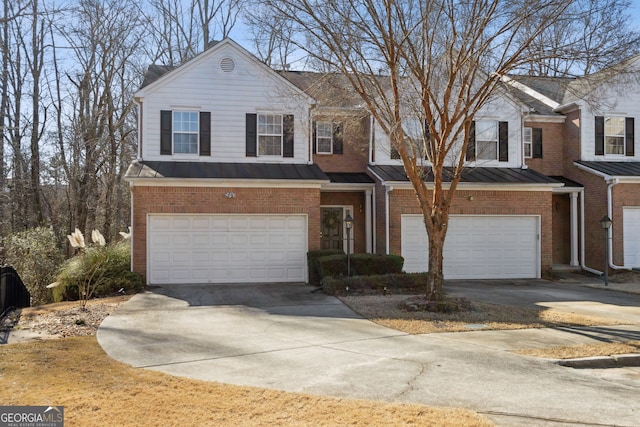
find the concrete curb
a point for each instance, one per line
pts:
(602, 362)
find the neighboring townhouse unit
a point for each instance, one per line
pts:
(242, 170)
(588, 140)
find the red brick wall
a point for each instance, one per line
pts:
(483, 203)
(571, 146)
(212, 200)
(355, 157)
(551, 162)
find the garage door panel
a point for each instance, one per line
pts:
(187, 248)
(479, 247)
(631, 239)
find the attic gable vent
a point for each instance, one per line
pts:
(227, 64)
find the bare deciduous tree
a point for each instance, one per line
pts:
(441, 61)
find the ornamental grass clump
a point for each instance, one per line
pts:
(97, 269)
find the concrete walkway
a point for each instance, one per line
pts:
(283, 336)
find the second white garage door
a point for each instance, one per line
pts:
(226, 248)
(477, 247)
(631, 240)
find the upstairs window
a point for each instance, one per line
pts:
(269, 134)
(527, 141)
(614, 136)
(185, 132)
(486, 140)
(532, 142)
(324, 137)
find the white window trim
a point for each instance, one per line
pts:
(324, 137)
(624, 137)
(526, 143)
(281, 135)
(497, 140)
(174, 132)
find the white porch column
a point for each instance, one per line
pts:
(574, 228)
(367, 219)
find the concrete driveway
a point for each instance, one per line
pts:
(283, 336)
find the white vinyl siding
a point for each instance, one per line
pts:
(203, 86)
(477, 246)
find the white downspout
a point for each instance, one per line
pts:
(582, 258)
(523, 164)
(371, 138)
(386, 208)
(373, 221)
(612, 183)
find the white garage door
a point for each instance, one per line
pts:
(226, 248)
(631, 240)
(477, 247)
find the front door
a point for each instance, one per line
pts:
(331, 226)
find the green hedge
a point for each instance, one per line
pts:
(378, 284)
(312, 262)
(361, 265)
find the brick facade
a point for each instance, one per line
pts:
(469, 202)
(190, 200)
(552, 161)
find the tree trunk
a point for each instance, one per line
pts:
(435, 277)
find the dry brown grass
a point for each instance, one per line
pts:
(590, 350)
(388, 311)
(98, 391)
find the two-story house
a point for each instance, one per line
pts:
(241, 170)
(587, 128)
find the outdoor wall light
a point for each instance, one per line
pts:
(606, 222)
(230, 195)
(348, 224)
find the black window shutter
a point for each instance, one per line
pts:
(287, 135)
(251, 134)
(165, 132)
(536, 136)
(314, 141)
(337, 138)
(628, 133)
(503, 141)
(395, 155)
(470, 155)
(599, 135)
(205, 133)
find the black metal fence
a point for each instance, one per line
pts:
(13, 293)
